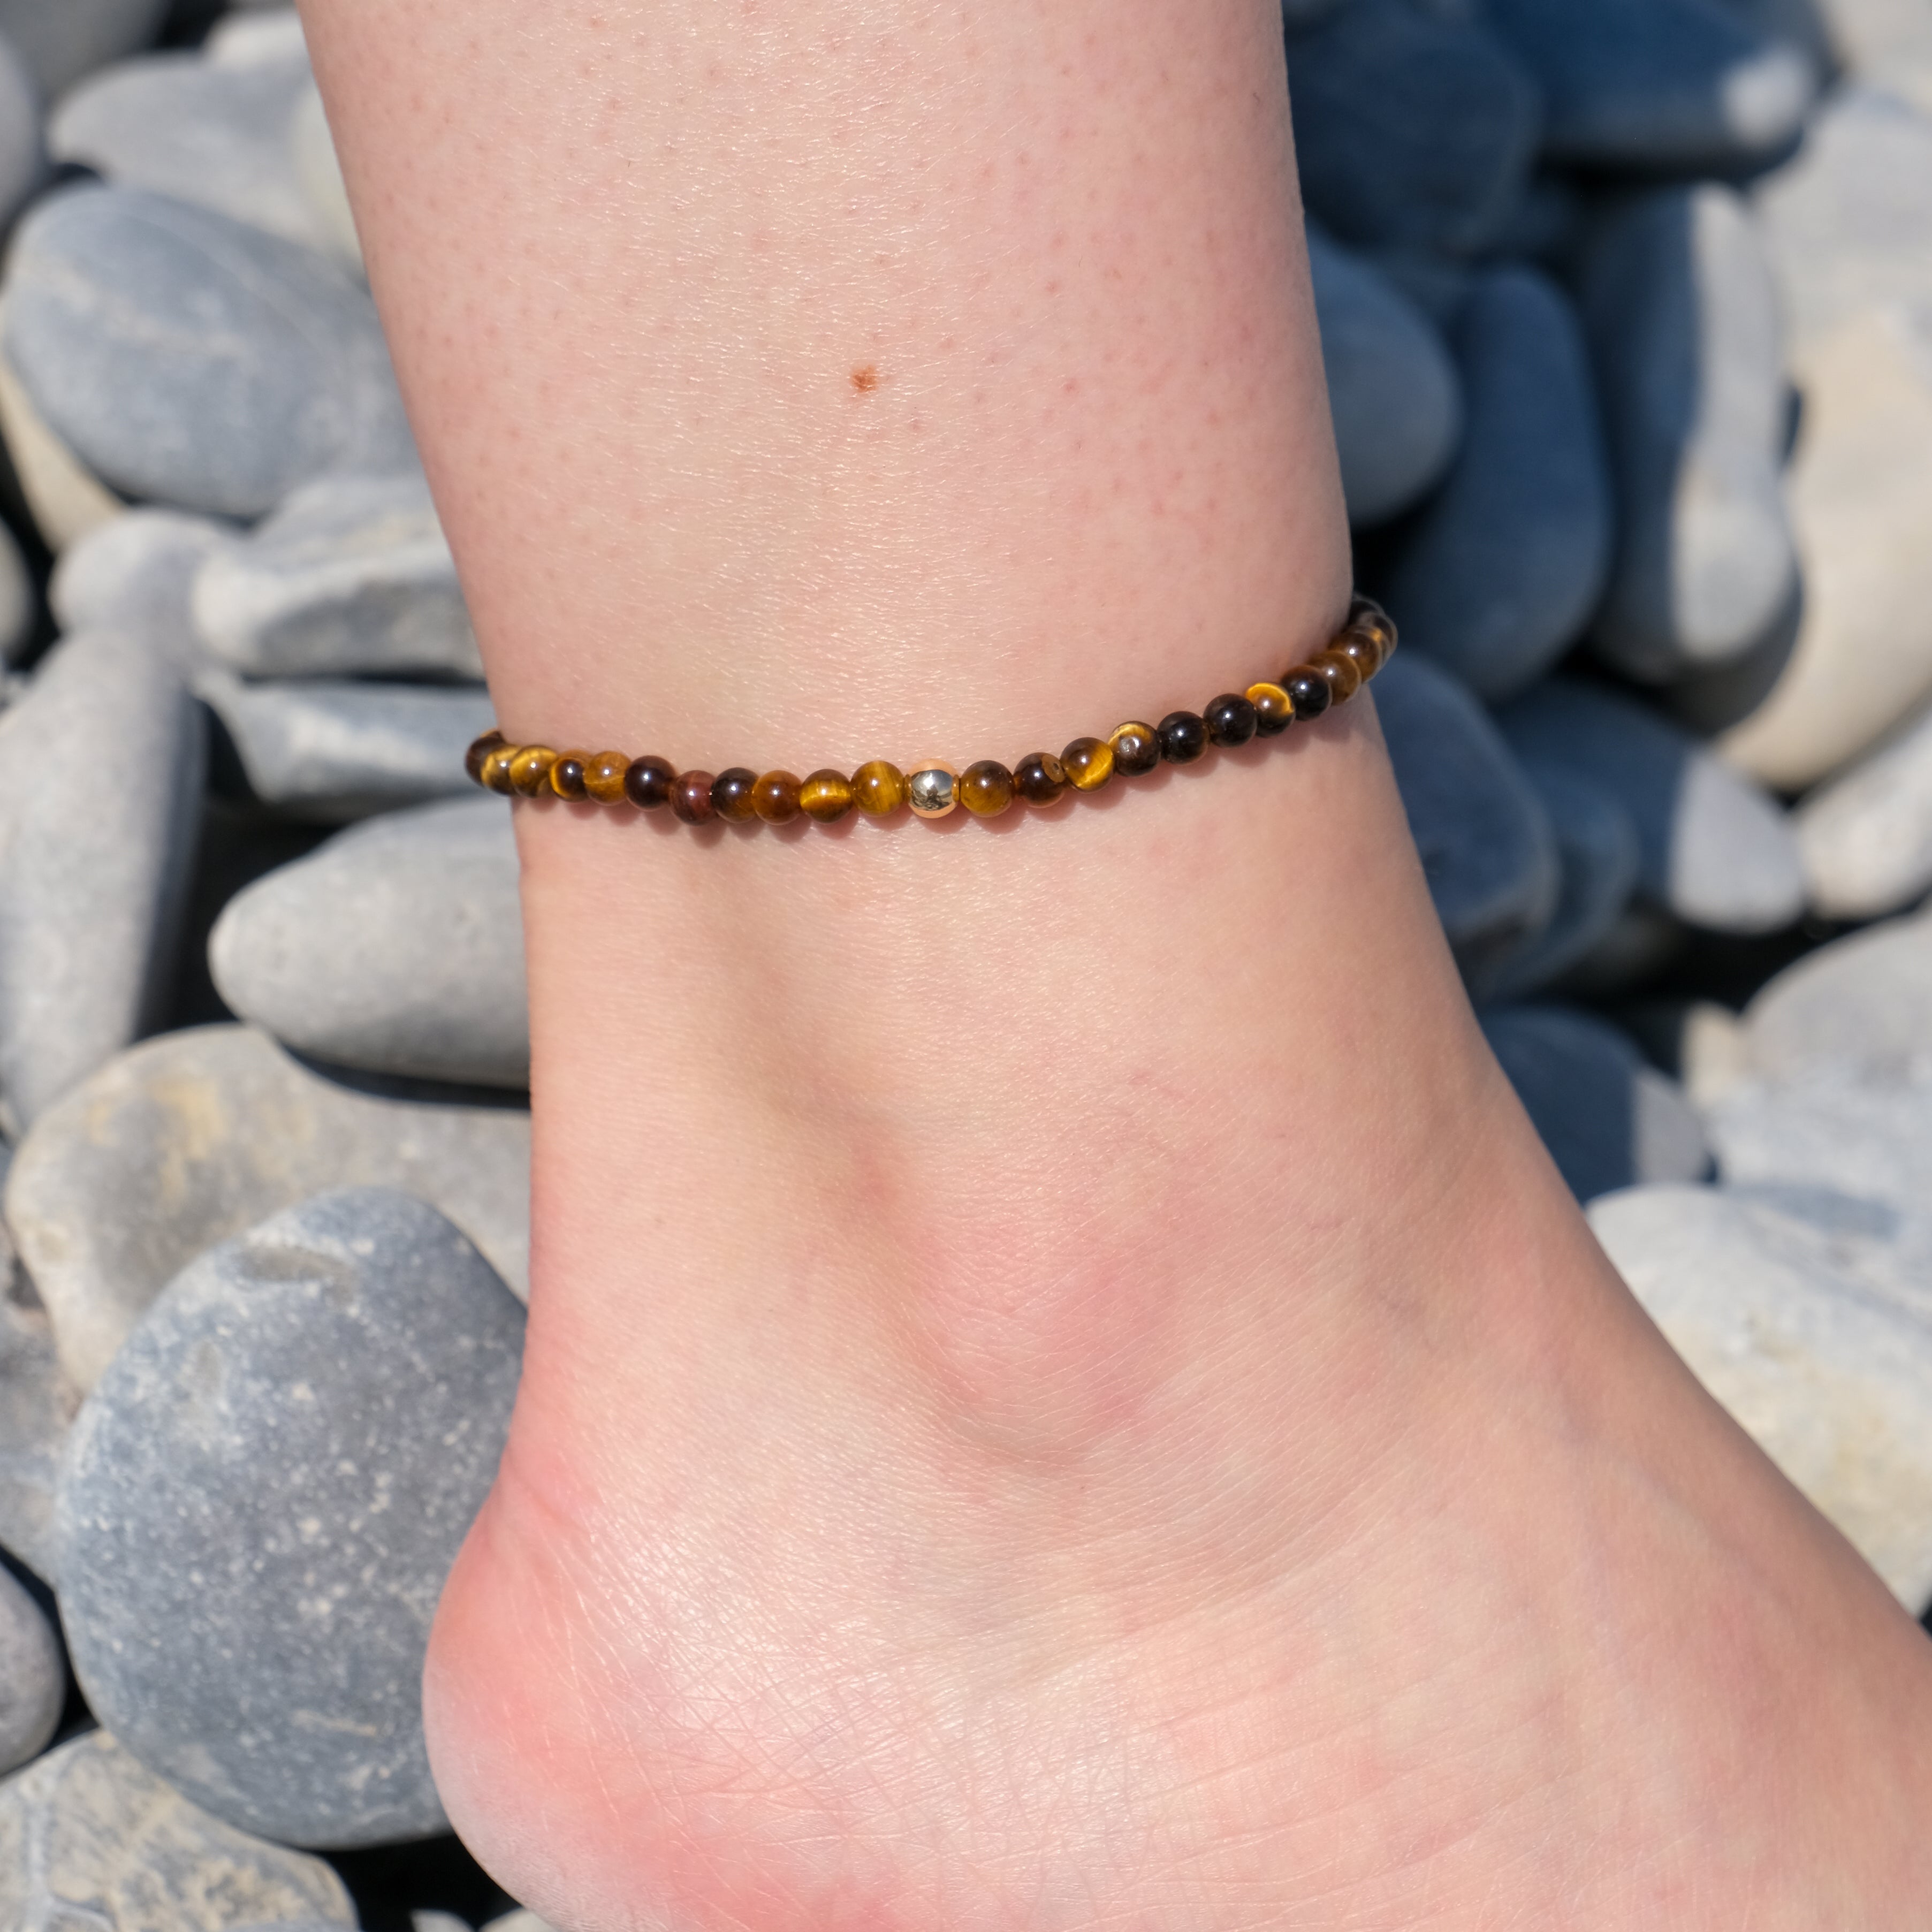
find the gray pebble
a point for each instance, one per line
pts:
(262, 1498)
(62, 41)
(1865, 838)
(193, 1137)
(33, 1677)
(1505, 564)
(192, 359)
(101, 766)
(396, 947)
(134, 573)
(22, 159)
(1862, 1005)
(91, 1842)
(37, 1403)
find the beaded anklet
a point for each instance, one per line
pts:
(933, 788)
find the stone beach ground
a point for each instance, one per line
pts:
(1627, 306)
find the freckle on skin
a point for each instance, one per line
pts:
(865, 380)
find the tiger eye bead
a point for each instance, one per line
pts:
(495, 772)
(1369, 618)
(826, 796)
(774, 797)
(529, 770)
(1344, 676)
(603, 776)
(473, 758)
(1136, 749)
(731, 794)
(1088, 763)
(1274, 710)
(1361, 649)
(932, 788)
(1184, 737)
(690, 797)
(878, 787)
(1230, 720)
(647, 782)
(1308, 690)
(985, 788)
(1040, 778)
(566, 775)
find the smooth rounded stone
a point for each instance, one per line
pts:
(65, 499)
(1713, 849)
(1411, 127)
(1865, 838)
(101, 766)
(437, 1921)
(319, 174)
(1487, 848)
(134, 573)
(1862, 1005)
(1683, 318)
(60, 41)
(33, 1677)
(333, 750)
(22, 159)
(261, 1498)
(351, 576)
(1393, 391)
(89, 1839)
(396, 947)
(38, 1402)
(1677, 86)
(1786, 1305)
(1608, 1120)
(193, 359)
(1505, 563)
(193, 1137)
(19, 606)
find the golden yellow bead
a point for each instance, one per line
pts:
(826, 796)
(495, 772)
(529, 770)
(878, 787)
(932, 787)
(604, 777)
(1274, 709)
(1089, 763)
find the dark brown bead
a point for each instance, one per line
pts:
(1230, 720)
(1040, 778)
(985, 789)
(1368, 617)
(826, 796)
(690, 797)
(1088, 763)
(647, 782)
(566, 775)
(1361, 649)
(603, 776)
(1344, 675)
(1308, 691)
(496, 775)
(731, 794)
(1184, 737)
(1274, 710)
(1136, 749)
(529, 770)
(473, 759)
(774, 797)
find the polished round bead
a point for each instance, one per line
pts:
(1184, 737)
(495, 772)
(566, 775)
(1136, 749)
(1371, 621)
(647, 782)
(1344, 675)
(731, 794)
(878, 788)
(1274, 712)
(473, 759)
(774, 797)
(1088, 763)
(529, 770)
(1040, 778)
(603, 776)
(1309, 691)
(932, 788)
(826, 796)
(690, 797)
(985, 788)
(1230, 720)
(1361, 649)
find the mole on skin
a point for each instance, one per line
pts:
(865, 380)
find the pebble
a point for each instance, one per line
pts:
(134, 573)
(1505, 565)
(192, 359)
(36, 1404)
(1865, 838)
(1713, 849)
(92, 874)
(1609, 1121)
(1680, 85)
(1862, 1004)
(22, 158)
(1411, 127)
(19, 606)
(331, 750)
(352, 576)
(61, 39)
(1886, 42)
(189, 1139)
(262, 1498)
(91, 1842)
(33, 1677)
(1683, 317)
(1782, 1304)
(1487, 849)
(396, 947)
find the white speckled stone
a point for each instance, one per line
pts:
(134, 573)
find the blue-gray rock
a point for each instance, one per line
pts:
(37, 1403)
(1682, 85)
(351, 576)
(1411, 127)
(1609, 1121)
(1714, 850)
(92, 874)
(1487, 848)
(1861, 1006)
(1798, 23)
(61, 41)
(22, 159)
(1683, 324)
(33, 1677)
(396, 947)
(89, 1839)
(192, 359)
(1865, 838)
(1506, 562)
(1392, 389)
(330, 750)
(134, 573)
(262, 1498)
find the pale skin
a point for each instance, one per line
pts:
(1062, 1390)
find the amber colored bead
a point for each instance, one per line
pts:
(1368, 617)
(495, 772)
(1361, 649)
(932, 787)
(1184, 737)
(1040, 778)
(878, 787)
(985, 788)
(690, 797)
(566, 775)
(603, 776)
(1136, 749)
(1088, 763)
(1344, 675)
(473, 759)
(1230, 720)
(775, 797)
(826, 796)
(647, 782)
(1274, 711)
(1308, 690)
(731, 794)
(529, 770)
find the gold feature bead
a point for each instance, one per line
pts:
(932, 787)
(529, 770)
(878, 787)
(826, 796)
